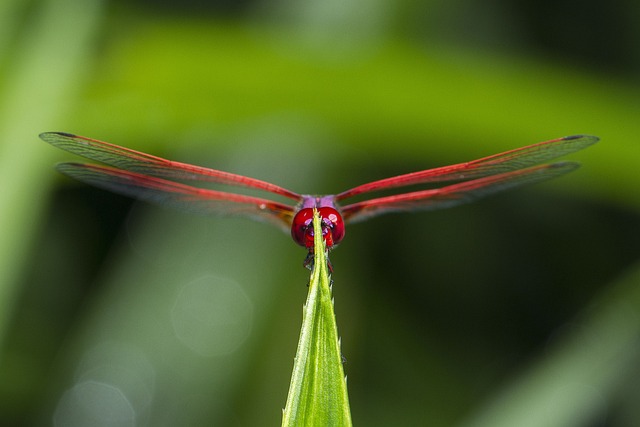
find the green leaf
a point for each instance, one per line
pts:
(318, 390)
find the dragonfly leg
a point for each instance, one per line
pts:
(308, 262)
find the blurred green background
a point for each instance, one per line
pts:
(520, 310)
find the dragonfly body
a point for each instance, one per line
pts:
(155, 179)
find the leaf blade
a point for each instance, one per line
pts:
(318, 390)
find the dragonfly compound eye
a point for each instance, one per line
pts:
(332, 227)
(302, 228)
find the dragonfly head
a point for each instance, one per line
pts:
(332, 227)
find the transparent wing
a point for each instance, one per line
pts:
(454, 194)
(180, 196)
(142, 163)
(508, 161)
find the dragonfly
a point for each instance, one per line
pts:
(151, 178)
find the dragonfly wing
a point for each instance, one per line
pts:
(180, 196)
(455, 194)
(497, 164)
(142, 163)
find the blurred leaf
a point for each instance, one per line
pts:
(40, 86)
(573, 384)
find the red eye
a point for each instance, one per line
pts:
(332, 227)
(333, 220)
(300, 227)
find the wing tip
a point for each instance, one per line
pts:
(51, 137)
(46, 136)
(565, 166)
(587, 139)
(67, 168)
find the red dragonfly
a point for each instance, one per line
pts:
(152, 178)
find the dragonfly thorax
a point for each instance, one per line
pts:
(332, 227)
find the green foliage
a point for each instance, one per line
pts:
(520, 310)
(318, 391)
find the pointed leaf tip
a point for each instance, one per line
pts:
(318, 390)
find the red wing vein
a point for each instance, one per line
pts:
(496, 164)
(455, 194)
(142, 163)
(180, 196)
